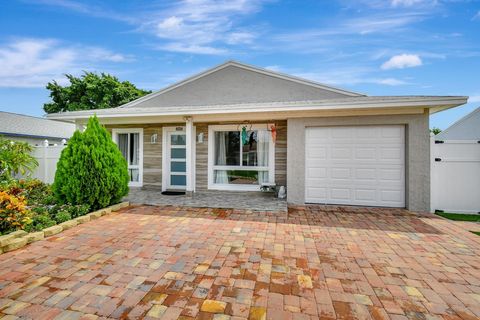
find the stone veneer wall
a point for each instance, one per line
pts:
(152, 153)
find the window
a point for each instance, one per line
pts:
(240, 164)
(129, 142)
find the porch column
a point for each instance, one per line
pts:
(190, 143)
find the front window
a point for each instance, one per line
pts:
(129, 144)
(241, 159)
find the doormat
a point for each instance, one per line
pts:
(173, 193)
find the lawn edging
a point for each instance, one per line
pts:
(20, 238)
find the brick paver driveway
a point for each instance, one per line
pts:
(171, 263)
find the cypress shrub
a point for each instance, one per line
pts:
(91, 170)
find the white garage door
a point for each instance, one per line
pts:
(361, 165)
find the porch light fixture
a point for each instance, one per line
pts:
(200, 137)
(153, 138)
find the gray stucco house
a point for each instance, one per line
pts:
(237, 127)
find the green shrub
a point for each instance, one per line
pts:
(91, 170)
(36, 192)
(41, 220)
(15, 158)
(78, 210)
(62, 216)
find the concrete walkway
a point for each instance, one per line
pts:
(210, 199)
(208, 263)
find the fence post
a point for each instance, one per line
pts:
(432, 173)
(45, 164)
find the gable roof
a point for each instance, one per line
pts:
(467, 128)
(233, 88)
(237, 83)
(13, 124)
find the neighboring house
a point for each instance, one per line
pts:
(456, 166)
(236, 127)
(467, 128)
(34, 130)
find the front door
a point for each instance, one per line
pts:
(176, 160)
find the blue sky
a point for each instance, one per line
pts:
(389, 47)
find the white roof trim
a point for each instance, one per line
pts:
(246, 67)
(333, 104)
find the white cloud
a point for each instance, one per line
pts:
(240, 37)
(186, 48)
(35, 62)
(402, 61)
(391, 82)
(409, 3)
(202, 26)
(86, 9)
(381, 24)
(343, 76)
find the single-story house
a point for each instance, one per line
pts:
(34, 130)
(456, 166)
(237, 127)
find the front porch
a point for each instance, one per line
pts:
(257, 201)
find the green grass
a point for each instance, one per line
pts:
(476, 232)
(460, 216)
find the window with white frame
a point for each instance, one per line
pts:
(129, 142)
(240, 159)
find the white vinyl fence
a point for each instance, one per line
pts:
(455, 176)
(47, 157)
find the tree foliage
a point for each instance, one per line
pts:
(91, 91)
(91, 170)
(15, 158)
(435, 130)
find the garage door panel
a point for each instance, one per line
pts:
(365, 194)
(317, 153)
(341, 173)
(365, 153)
(344, 153)
(341, 133)
(317, 172)
(391, 196)
(391, 174)
(395, 132)
(317, 193)
(388, 153)
(365, 174)
(366, 132)
(340, 194)
(358, 165)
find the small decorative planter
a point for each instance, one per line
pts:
(18, 239)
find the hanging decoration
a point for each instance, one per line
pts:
(273, 131)
(244, 135)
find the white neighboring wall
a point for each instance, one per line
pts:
(455, 176)
(47, 157)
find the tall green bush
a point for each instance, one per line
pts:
(91, 169)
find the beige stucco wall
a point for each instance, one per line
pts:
(417, 154)
(152, 153)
